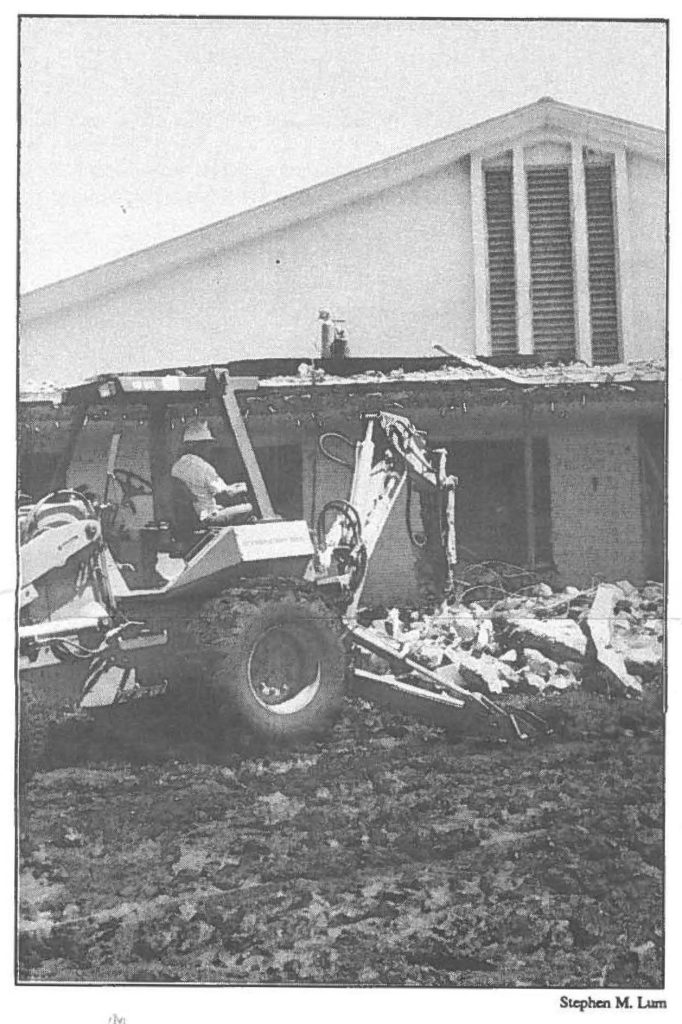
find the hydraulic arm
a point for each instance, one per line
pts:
(349, 530)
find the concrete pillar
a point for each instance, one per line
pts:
(479, 240)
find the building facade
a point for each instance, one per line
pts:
(536, 240)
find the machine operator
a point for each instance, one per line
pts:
(207, 488)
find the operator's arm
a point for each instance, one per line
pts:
(232, 490)
(220, 489)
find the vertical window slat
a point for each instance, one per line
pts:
(551, 262)
(501, 268)
(601, 247)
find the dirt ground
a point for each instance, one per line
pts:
(389, 855)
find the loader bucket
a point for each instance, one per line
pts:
(445, 703)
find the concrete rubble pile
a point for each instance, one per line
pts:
(607, 639)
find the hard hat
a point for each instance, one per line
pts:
(198, 430)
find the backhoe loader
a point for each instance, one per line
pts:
(262, 611)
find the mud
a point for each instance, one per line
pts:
(389, 855)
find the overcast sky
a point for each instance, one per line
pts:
(133, 131)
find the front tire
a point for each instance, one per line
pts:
(280, 658)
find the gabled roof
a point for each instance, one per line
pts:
(546, 114)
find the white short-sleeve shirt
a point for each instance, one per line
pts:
(203, 482)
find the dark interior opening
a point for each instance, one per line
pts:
(492, 505)
(282, 470)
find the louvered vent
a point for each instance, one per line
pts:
(551, 262)
(502, 279)
(601, 249)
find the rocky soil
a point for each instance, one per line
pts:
(389, 855)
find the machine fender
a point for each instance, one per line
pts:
(52, 548)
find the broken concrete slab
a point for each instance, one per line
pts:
(627, 588)
(392, 623)
(379, 625)
(510, 657)
(599, 627)
(652, 592)
(610, 647)
(562, 680)
(532, 682)
(439, 622)
(601, 612)
(485, 636)
(508, 604)
(410, 638)
(542, 590)
(450, 673)
(646, 662)
(452, 652)
(623, 621)
(558, 639)
(486, 674)
(558, 606)
(373, 663)
(615, 675)
(599, 618)
(538, 663)
(430, 655)
(463, 623)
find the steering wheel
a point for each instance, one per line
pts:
(131, 483)
(56, 498)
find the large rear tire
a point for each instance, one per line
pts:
(280, 658)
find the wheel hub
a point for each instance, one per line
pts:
(282, 674)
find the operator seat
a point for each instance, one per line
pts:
(185, 522)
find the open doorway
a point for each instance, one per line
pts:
(503, 504)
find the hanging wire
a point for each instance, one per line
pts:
(417, 540)
(321, 444)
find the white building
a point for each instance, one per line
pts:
(540, 232)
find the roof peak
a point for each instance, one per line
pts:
(321, 197)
